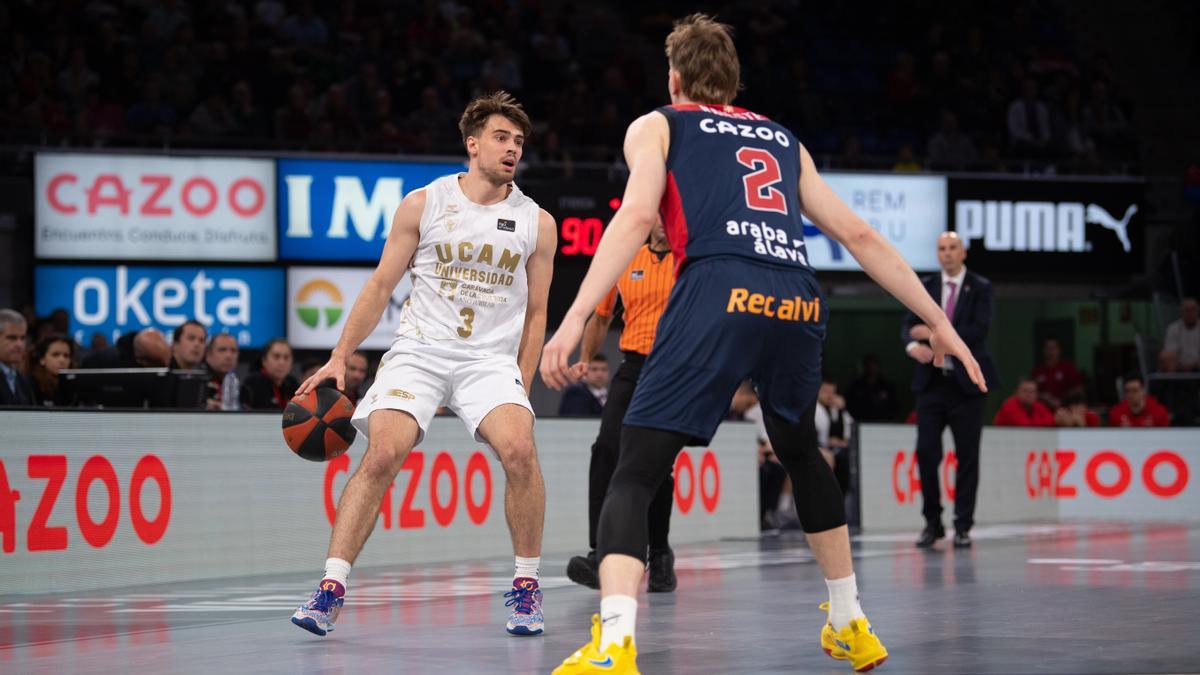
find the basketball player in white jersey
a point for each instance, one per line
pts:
(481, 256)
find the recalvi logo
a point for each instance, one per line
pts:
(1059, 227)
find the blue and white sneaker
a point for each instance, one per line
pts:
(526, 600)
(318, 614)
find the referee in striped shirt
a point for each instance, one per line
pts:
(643, 289)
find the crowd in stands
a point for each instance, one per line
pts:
(31, 369)
(990, 87)
(1053, 393)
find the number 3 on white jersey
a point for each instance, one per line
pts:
(468, 316)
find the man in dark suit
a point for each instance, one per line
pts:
(945, 395)
(14, 387)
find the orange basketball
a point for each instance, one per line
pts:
(317, 426)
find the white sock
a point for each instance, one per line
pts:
(843, 601)
(337, 569)
(618, 615)
(528, 567)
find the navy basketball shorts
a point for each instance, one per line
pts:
(730, 319)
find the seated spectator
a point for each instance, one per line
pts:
(151, 114)
(852, 154)
(833, 424)
(950, 148)
(212, 118)
(355, 375)
(309, 367)
(146, 348)
(871, 398)
(187, 346)
(1181, 354)
(1023, 409)
(1056, 377)
(1138, 408)
(221, 358)
(1028, 122)
(42, 328)
(50, 355)
(1074, 413)
(357, 366)
(305, 28)
(1104, 121)
(97, 343)
(249, 120)
(271, 385)
(906, 162)
(60, 319)
(14, 387)
(1181, 345)
(586, 397)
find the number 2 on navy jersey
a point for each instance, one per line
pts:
(760, 195)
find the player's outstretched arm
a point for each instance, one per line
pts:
(539, 270)
(368, 307)
(882, 262)
(646, 154)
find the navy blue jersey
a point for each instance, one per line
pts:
(732, 178)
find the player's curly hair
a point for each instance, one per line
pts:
(701, 50)
(475, 117)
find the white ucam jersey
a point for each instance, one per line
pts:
(468, 274)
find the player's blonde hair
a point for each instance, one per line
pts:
(475, 117)
(701, 50)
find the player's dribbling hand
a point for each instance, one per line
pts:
(944, 341)
(556, 355)
(335, 368)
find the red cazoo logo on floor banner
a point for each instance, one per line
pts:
(1038, 475)
(97, 514)
(1142, 474)
(95, 499)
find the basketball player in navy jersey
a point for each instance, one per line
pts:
(730, 186)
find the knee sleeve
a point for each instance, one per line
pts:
(819, 501)
(647, 456)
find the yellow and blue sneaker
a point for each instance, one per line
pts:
(526, 600)
(856, 643)
(589, 660)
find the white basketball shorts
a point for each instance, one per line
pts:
(418, 378)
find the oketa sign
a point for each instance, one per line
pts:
(242, 301)
(342, 210)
